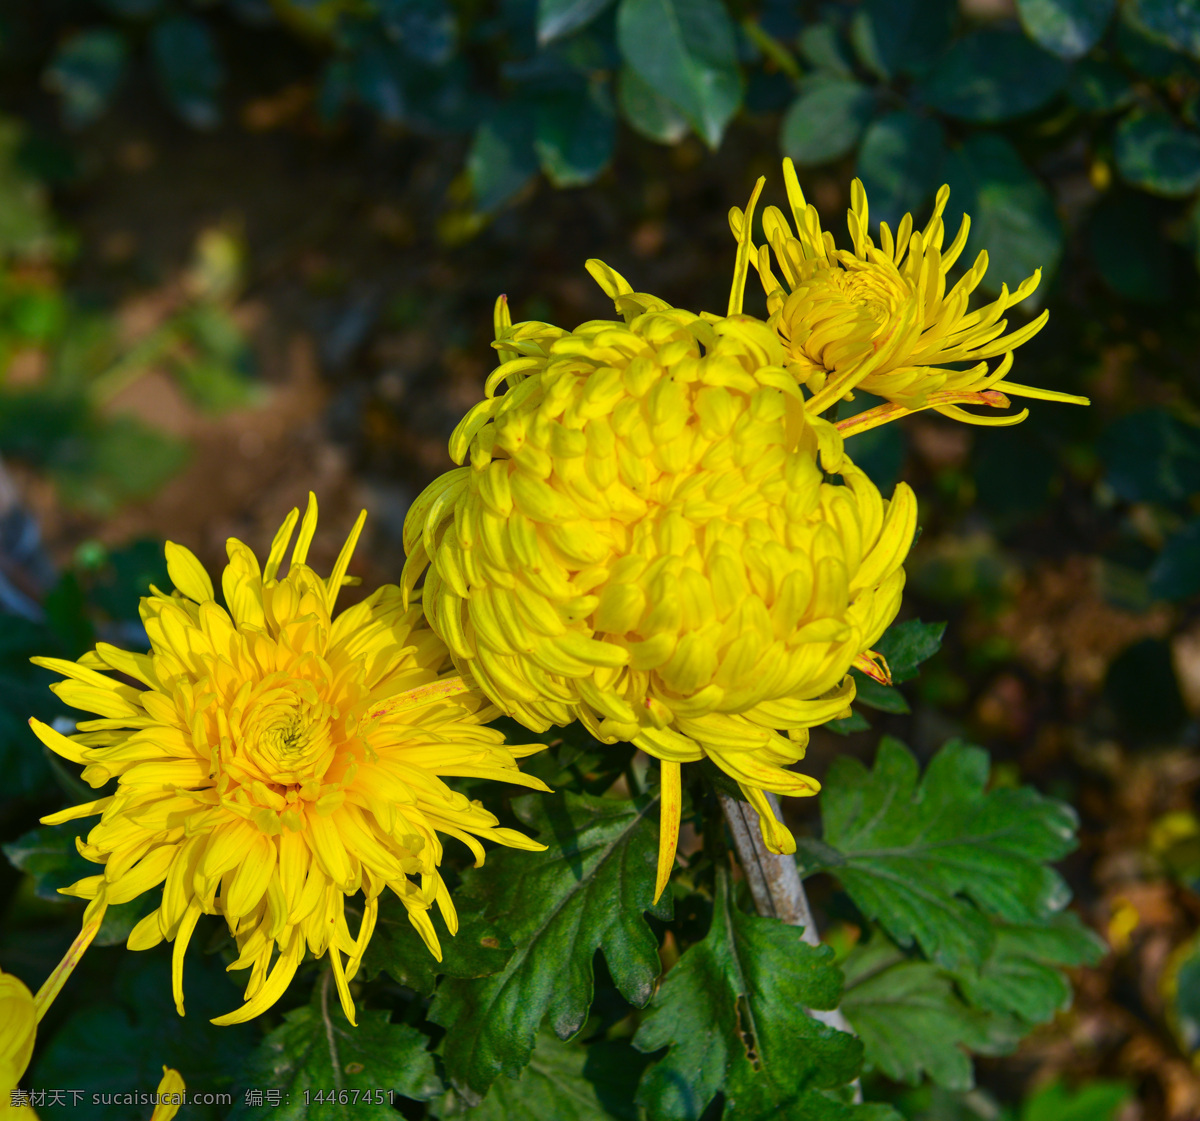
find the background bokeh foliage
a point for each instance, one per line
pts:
(498, 143)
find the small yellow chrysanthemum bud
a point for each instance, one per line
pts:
(273, 760)
(880, 318)
(648, 536)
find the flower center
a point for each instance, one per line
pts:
(838, 316)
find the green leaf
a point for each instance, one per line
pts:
(1145, 53)
(906, 645)
(847, 725)
(912, 1022)
(915, 855)
(902, 36)
(1181, 984)
(732, 1013)
(1096, 1101)
(900, 164)
(826, 120)
(648, 113)
(822, 48)
(26, 223)
(1152, 456)
(479, 949)
(1125, 234)
(315, 1049)
(85, 72)
(1022, 975)
(502, 159)
(1175, 574)
(559, 18)
(575, 134)
(47, 853)
(685, 51)
(882, 697)
(1012, 213)
(563, 1081)
(587, 892)
(188, 68)
(1099, 87)
(1177, 22)
(990, 76)
(1157, 154)
(1067, 28)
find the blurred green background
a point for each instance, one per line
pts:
(250, 247)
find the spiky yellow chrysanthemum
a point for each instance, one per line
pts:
(18, 1030)
(276, 760)
(880, 318)
(648, 539)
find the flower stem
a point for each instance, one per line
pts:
(775, 884)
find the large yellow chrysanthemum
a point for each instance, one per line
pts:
(275, 761)
(880, 318)
(18, 1030)
(647, 538)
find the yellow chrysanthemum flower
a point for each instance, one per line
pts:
(880, 318)
(647, 539)
(275, 761)
(18, 1030)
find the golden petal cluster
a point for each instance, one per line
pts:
(884, 318)
(273, 760)
(649, 534)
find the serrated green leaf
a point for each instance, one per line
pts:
(479, 949)
(900, 164)
(558, 18)
(1068, 28)
(85, 72)
(563, 1081)
(685, 51)
(1022, 972)
(574, 135)
(732, 1013)
(1176, 22)
(1012, 213)
(912, 1022)
(914, 852)
(315, 1049)
(587, 892)
(1157, 154)
(874, 695)
(990, 76)
(826, 120)
(902, 36)
(906, 645)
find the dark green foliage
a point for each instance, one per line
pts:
(587, 892)
(316, 1051)
(1012, 213)
(1158, 155)
(1152, 456)
(900, 163)
(990, 76)
(904, 646)
(826, 120)
(565, 1081)
(912, 1021)
(933, 858)
(684, 50)
(732, 1014)
(120, 1044)
(1068, 28)
(85, 73)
